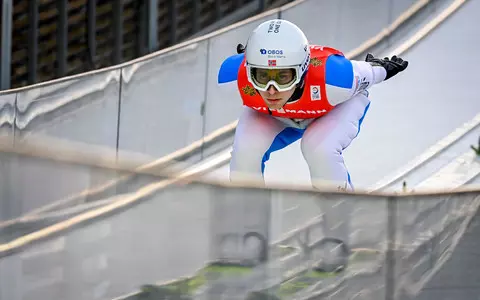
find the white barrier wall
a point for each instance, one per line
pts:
(7, 115)
(161, 101)
(171, 232)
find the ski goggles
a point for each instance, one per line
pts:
(283, 79)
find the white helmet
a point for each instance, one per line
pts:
(277, 44)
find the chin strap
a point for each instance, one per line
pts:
(298, 90)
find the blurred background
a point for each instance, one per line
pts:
(53, 39)
(115, 140)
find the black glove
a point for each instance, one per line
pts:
(393, 66)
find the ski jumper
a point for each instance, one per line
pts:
(326, 118)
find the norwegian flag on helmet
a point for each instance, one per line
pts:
(272, 63)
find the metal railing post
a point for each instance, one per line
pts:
(117, 31)
(91, 32)
(152, 25)
(6, 46)
(32, 41)
(62, 38)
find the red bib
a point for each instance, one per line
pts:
(312, 104)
